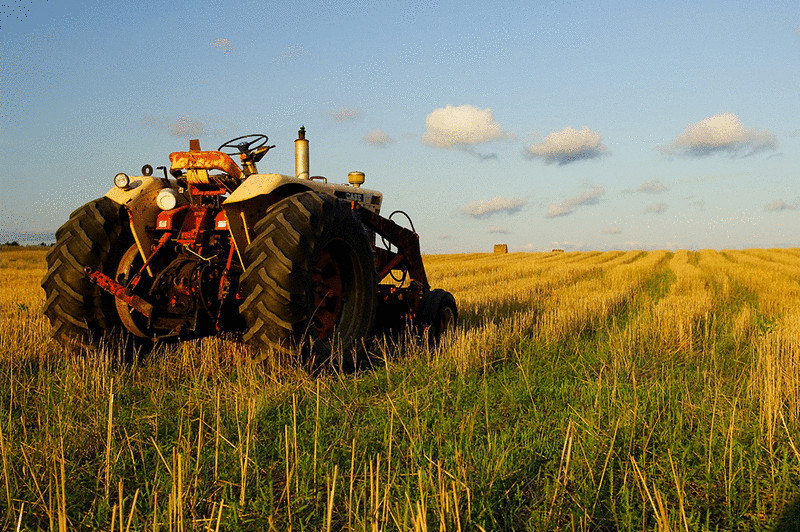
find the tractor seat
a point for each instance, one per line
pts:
(201, 162)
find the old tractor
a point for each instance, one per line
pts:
(214, 247)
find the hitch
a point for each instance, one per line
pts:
(120, 292)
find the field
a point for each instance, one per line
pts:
(583, 391)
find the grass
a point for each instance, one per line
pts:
(585, 391)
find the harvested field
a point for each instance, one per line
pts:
(583, 391)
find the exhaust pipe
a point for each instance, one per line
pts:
(301, 154)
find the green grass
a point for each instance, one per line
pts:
(569, 435)
(549, 438)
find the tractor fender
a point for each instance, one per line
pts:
(139, 200)
(248, 203)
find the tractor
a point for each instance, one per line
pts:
(212, 247)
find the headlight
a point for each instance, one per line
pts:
(122, 181)
(166, 199)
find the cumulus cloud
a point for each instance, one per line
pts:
(485, 208)
(378, 138)
(611, 229)
(463, 125)
(779, 205)
(722, 133)
(343, 114)
(223, 44)
(652, 187)
(290, 54)
(656, 208)
(568, 206)
(186, 127)
(496, 229)
(567, 146)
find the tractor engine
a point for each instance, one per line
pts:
(185, 293)
(195, 270)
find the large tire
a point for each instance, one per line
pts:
(310, 278)
(79, 311)
(438, 314)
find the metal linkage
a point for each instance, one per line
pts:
(408, 251)
(117, 290)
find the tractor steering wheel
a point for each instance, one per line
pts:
(247, 144)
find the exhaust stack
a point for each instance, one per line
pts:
(301, 154)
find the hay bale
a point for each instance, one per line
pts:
(558, 251)
(501, 248)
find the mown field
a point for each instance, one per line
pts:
(582, 391)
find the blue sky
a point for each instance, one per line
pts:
(577, 125)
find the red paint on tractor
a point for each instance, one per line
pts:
(194, 225)
(117, 290)
(171, 220)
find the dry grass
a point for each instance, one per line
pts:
(583, 391)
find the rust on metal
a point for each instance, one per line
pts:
(146, 266)
(204, 160)
(120, 292)
(199, 219)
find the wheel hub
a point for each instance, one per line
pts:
(328, 289)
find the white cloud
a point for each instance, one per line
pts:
(722, 133)
(611, 229)
(652, 187)
(484, 208)
(463, 125)
(496, 229)
(344, 114)
(567, 146)
(566, 207)
(656, 208)
(186, 127)
(377, 138)
(779, 205)
(223, 44)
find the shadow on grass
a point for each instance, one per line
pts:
(790, 519)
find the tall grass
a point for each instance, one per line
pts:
(584, 391)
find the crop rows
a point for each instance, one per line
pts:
(610, 390)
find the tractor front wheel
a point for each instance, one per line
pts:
(310, 278)
(438, 313)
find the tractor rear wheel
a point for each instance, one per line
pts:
(310, 278)
(438, 313)
(95, 236)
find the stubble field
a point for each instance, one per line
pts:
(582, 391)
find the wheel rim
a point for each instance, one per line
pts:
(447, 320)
(130, 263)
(327, 287)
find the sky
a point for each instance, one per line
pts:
(541, 125)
